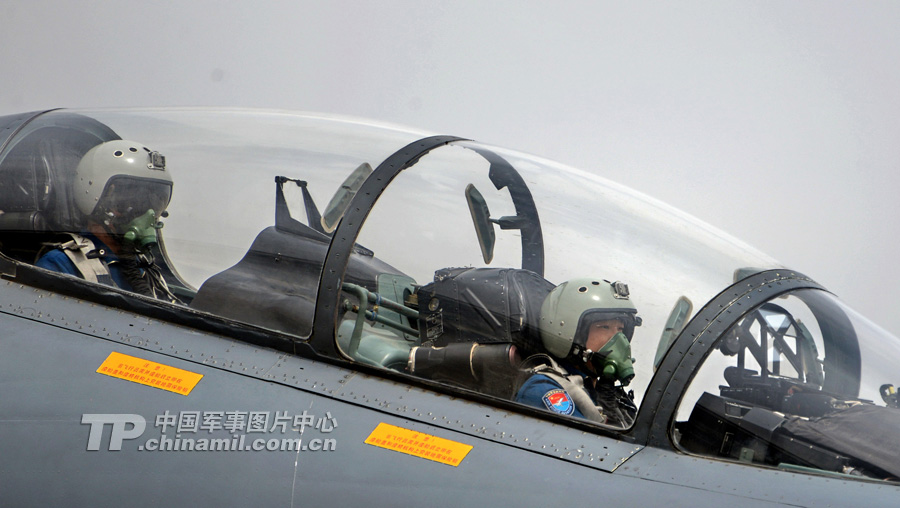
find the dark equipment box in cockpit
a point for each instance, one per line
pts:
(484, 305)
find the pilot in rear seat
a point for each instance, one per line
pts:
(121, 189)
(586, 327)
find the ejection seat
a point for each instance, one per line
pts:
(36, 203)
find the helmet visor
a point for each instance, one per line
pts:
(126, 198)
(591, 316)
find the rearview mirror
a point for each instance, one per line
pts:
(677, 319)
(481, 218)
(341, 199)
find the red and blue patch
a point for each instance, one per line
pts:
(559, 401)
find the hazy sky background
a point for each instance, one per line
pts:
(777, 122)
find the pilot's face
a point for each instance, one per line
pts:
(601, 331)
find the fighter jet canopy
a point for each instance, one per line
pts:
(431, 257)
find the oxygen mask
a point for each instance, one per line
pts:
(613, 362)
(141, 233)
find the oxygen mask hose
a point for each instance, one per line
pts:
(614, 361)
(140, 234)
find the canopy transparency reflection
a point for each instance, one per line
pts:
(224, 165)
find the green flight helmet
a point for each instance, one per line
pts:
(118, 181)
(571, 307)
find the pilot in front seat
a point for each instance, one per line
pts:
(586, 327)
(121, 189)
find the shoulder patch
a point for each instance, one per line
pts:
(559, 401)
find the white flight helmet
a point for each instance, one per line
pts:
(122, 178)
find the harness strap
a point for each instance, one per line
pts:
(90, 267)
(574, 386)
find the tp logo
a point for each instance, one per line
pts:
(119, 432)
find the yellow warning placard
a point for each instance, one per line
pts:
(149, 373)
(418, 444)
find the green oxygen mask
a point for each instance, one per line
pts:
(140, 233)
(613, 361)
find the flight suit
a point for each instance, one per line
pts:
(603, 402)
